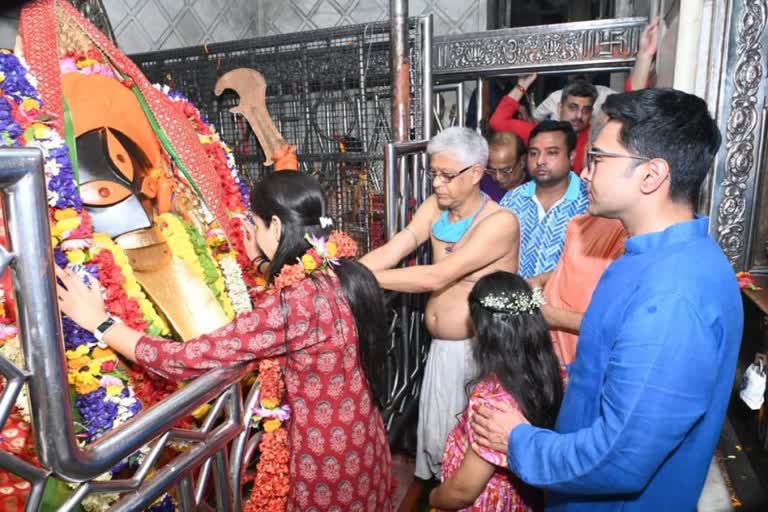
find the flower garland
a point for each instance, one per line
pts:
(213, 274)
(271, 483)
(747, 281)
(223, 160)
(319, 257)
(182, 244)
(104, 400)
(230, 269)
(157, 324)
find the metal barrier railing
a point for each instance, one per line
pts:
(223, 440)
(407, 185)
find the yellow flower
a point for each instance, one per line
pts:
(30, 104)
(76, 257)
(80, 351)
(103, 354)
(330, 249)
(102, 239)
(132, 288)
(271, 425)
(74, 364)
(66, 213)
(201, 411)
(114, 390)
(65, 225)
(2, 77)
(40, 131)
(269, 403)
(84, 63)
(308, 262)
(86, 379)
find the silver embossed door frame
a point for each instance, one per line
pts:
(739, 190)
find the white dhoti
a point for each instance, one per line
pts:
(450, 367)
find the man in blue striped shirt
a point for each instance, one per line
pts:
(546, 204)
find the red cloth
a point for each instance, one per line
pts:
(503, 120)
(339, 452)
(38, 32)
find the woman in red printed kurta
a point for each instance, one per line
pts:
(340, 459)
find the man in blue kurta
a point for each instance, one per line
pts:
(545, 204)
(648, 391)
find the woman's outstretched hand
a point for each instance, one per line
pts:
(83, 304)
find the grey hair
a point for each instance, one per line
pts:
(464, 144)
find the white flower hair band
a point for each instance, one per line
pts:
(326, 222)
(516, 302)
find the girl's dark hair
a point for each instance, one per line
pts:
(516, 348)
(297, 200)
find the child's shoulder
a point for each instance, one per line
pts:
(490, 389)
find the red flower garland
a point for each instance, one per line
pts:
(272, 481)
(148, 388)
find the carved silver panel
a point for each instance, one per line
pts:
(742, 123)
(602, 44)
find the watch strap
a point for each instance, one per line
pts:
(105, 326)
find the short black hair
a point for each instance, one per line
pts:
(556, 126)
(580, 88)
(672, 125)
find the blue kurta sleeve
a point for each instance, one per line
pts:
(659, 380)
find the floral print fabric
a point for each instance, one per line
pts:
(340, 459)
(503, 492)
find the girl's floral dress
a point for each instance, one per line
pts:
(504, 492)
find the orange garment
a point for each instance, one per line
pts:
(591, 244)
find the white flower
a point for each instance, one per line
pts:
(236, 289)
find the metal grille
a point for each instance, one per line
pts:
(328, 92)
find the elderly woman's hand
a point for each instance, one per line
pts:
(83, 304)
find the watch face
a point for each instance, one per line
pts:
(106, 324)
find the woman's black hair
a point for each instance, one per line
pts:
(516, 348)
(296, 198)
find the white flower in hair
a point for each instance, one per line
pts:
(516, 302)
(326, 222)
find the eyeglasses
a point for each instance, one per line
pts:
(592, 155)
(447, 178)
(492, 171)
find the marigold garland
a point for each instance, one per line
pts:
(271, 483)
(235, 191)
(157, 324)
(319, 257)
(213, 274)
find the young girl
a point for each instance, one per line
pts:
(332, 326)
(517, 364)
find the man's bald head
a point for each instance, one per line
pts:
(507, 141)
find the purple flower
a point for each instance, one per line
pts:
(74, 335)
(59, 258)
(98, 415)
